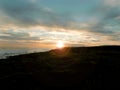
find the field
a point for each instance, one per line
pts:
(86, 68)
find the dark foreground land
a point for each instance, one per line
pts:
(86, 68)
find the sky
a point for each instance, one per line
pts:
(42, 23)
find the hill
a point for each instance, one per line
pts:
(71, 67)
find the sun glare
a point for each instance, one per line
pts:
(60, 44)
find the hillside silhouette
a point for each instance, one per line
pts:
(85, 68)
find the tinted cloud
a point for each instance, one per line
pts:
(108, 22)
(101, 17)
(27, 13)
(16, 35)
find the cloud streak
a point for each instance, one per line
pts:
(100, 19)
(16, 35)
(26, 13)
(108, 22)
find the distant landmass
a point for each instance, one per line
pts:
(86, 68)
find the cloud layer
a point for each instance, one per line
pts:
(58, 19)
(26, 13)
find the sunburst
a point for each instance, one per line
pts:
(60, 44)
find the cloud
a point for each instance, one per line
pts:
(112, 3)
(108, 21)
(26, 13)
(17, 35)
(101, 21)
(21, 11)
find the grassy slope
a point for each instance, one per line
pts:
(81, 67)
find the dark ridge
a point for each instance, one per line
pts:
(86, 68)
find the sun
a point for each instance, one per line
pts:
(60, 44)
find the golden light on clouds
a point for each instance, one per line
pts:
(50, 37)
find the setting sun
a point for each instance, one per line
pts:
(60, 44)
